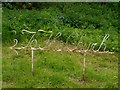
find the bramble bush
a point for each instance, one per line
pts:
(91, 21)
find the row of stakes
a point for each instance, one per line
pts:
(29, 44)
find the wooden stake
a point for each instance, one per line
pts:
(32, 62)
(83, 71)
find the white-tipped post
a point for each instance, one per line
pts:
(32, 62)
(84, 65)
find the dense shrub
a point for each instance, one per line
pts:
(89, 20)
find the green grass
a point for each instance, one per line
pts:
(58, 69)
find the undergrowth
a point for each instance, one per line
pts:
(58, 69)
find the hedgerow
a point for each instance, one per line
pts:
(89, 20)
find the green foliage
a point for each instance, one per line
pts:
(91, 19)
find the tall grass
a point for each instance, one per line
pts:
(58, 69)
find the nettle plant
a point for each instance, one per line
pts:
(33, 45)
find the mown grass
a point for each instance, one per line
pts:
(58, 69)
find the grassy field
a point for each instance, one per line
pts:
(58, 69)
(79, 25)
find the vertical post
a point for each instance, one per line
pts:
(83, 71)
(32, 62)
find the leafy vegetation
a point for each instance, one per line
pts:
(78, 22)
(93, 19)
